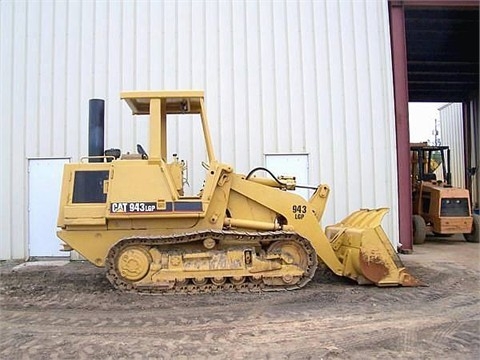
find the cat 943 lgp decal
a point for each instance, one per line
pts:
(151, 206)
(133, 207)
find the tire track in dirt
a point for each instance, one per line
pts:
(203, 334)
(73, 313)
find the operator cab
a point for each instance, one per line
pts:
(160, 105)
(431, 164)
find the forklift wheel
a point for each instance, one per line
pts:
(474, 236)
(419, 230)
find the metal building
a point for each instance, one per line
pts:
(451, 134)
(310, 85)
(310, 80)
(461, 135)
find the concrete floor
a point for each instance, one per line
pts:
(451, 249)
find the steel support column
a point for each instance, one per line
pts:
(467, 145)
(400, 83)
(471, 149)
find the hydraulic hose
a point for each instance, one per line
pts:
(275, 178)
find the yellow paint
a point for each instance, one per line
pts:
(144, 198)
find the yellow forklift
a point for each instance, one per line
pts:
(438, 206)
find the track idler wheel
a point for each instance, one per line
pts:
(133, 262)
(291, 253)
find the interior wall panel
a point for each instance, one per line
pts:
(311, 77)
(451, 134)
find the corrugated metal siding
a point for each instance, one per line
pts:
(451, 132)
(474, 161)
(280, 77)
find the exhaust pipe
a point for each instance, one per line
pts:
(96, 126)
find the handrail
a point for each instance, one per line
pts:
(97, 157)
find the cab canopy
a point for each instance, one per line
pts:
(174, 101)
(159, 104)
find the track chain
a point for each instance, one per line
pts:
(248, 286)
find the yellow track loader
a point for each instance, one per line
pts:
(128, 213)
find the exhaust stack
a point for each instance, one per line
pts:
(96, 126)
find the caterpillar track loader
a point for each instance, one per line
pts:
(128, 213)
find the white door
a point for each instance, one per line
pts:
(44, 184)
(290, 165)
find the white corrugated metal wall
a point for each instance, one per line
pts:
(451, 134)
(280, 77)
(474, 161)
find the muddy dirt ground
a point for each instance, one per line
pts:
(71, 312)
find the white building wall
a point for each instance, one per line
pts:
(309, 77)
(474, 161)
(451, 134)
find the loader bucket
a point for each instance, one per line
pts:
(365, 251)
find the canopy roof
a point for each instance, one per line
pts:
(176, 101)
(442, 50)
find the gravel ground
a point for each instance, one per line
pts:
(72, 312)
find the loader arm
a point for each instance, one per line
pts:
(281, 202)
(357, 247)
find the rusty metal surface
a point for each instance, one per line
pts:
(366, 252)
(375, 270)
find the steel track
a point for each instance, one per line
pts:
(250, 285)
